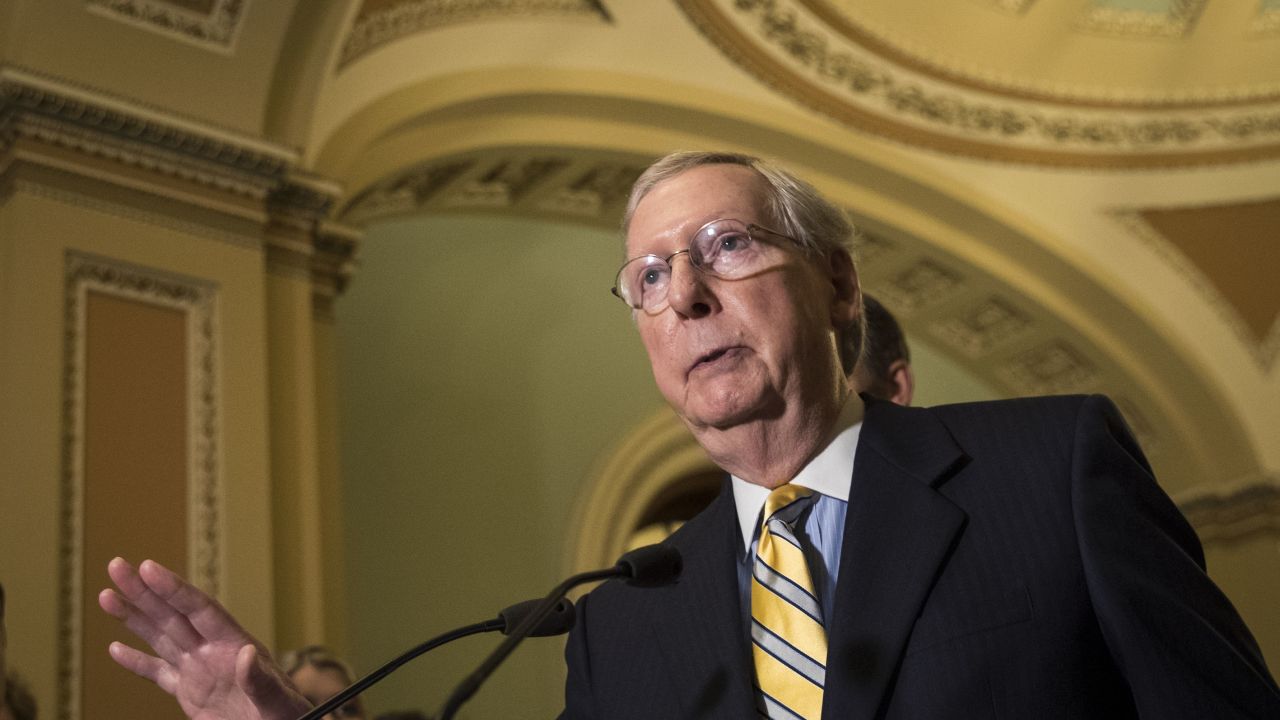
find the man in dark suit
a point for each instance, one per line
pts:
(1011, 559)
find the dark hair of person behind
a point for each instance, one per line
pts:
(883, 345)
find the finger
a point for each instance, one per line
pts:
(206, 616)
(161, 615)
(147, 666)
(267, 686)
(139, 624)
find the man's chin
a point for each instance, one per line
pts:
(729, 414)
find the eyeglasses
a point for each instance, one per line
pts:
(727, 249)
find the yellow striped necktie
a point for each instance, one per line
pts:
(788, 641)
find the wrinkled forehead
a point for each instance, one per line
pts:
(673, 210)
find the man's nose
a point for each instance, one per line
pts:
(689, 293)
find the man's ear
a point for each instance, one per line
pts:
(903, 380)
(846, 303)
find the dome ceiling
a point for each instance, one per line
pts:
(1116, 83)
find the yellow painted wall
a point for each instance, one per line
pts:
(39, 224)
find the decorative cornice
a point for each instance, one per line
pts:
(54, 125)
(56, 115)
(396, 20)
(809, 61)
(215, 30)
(1249, 509)
(332, 265)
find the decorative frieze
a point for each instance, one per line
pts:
(923, 283)
(390, 21)
(552, 182)
(506, 182)
(215, 28)
(982, 327)
(1052, 368)
(1109, 17)
(1246, 510)
(795, 46)
(69, 130)
(44, 113)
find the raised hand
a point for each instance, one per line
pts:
(215, 669)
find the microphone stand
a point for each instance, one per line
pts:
(472, 682)
(360, 685)
(504, 622)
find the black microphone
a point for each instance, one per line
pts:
(557, 621)
(648, 566)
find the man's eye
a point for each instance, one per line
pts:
(732, 243)
(652, 276)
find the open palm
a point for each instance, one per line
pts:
(215, 669)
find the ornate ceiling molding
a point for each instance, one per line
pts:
(796, 47)
(1174, 21)
(51, 114)
(48, 124)
(379, 23)
(1249, 509)
(539, 183)
(215, 28)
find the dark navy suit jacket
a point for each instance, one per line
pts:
(1013, 559)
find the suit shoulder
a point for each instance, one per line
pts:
(1044, 421)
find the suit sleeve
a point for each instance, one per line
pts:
(1180, 644)
(577, 687)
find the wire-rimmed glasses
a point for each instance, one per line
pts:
(724, 248)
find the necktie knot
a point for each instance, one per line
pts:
(785, 504)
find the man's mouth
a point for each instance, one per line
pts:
(711, 358)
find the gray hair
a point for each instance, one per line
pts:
(799, 209)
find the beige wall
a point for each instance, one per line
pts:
(41, 223)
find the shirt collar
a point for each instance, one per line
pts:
(830, 472)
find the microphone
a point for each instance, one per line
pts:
(557, 620)
(648, 566)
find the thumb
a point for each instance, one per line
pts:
(266, 686)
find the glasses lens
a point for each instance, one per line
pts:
(723, 248)
(643, 281)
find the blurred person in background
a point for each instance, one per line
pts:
(319, 675)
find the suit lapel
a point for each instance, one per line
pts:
(898, 533)
(700, 630)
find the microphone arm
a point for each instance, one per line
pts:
(649, 566)
(556, 619)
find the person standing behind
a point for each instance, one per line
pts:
(319, 675)
(884, 370)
